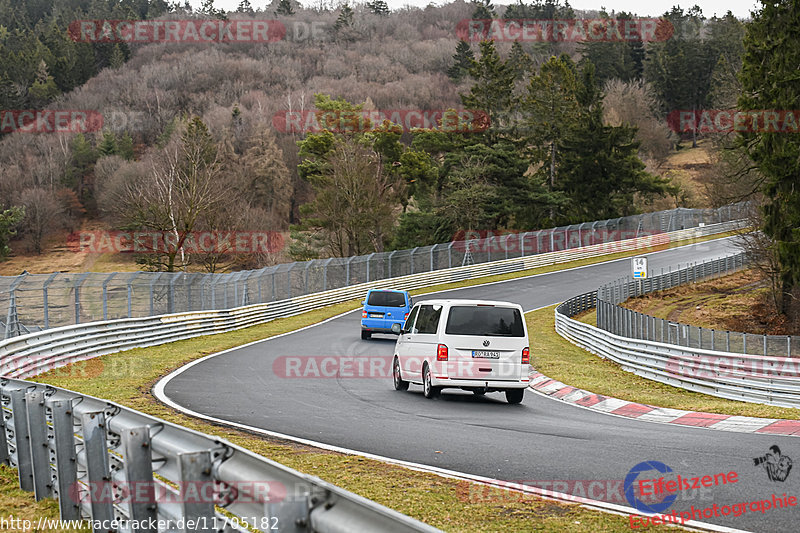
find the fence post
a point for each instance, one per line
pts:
(411, 261)
(130, 293)
(347, 271)
(370, 257)
(105, 294)
(449, 256)
(289, 279)
(152, 296)
(325, 274)
(45, 305)
(78, 283)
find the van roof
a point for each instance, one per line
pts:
(387, 290)
(454, 301)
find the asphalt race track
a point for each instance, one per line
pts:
(541, 440)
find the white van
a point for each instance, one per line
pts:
(474, 345)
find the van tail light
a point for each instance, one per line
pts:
(405, 317)
(441, 353)
(363, 314)
(526, 356)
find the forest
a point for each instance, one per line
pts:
(574, 130)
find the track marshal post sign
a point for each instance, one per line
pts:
(639, 267)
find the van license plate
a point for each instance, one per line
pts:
(485, 354)
(376, 315)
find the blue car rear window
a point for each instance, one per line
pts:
(387, 299)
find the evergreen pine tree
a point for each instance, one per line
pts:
(378, 7)
(462, 61)
(117, 58)
(285, 8)
(108, 145)
(125, 147)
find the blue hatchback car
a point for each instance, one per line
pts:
(382, 308)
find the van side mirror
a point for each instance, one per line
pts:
(363, 302)
(396, 328)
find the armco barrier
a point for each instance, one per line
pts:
(103, 461)
(737, 376)
(57, 438)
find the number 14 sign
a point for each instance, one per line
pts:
(639, 267)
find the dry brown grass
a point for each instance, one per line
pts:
(737, 302)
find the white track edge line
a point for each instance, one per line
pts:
(159, 393)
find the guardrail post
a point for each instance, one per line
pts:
(66, 489)
(139, 474)
(37, 440)
(97, 473)
(20, 420)
(195, 469)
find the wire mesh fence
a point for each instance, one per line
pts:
(32, 302)
(626, 322)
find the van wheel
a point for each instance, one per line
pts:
(427, 387)
(399, 384)
(366, 335)
(514, 395)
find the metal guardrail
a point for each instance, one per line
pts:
(643, 344)
(621, 321)
(64, 443)
(42, 301)
(105, 462)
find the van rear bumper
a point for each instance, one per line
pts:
(441, 381)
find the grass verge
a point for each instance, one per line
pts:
(559, 359)
(128, 377)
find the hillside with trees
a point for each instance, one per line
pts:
(576, 131)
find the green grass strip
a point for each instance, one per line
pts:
(128, 377)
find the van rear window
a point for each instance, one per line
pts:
(387, 299)
(485, 321)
